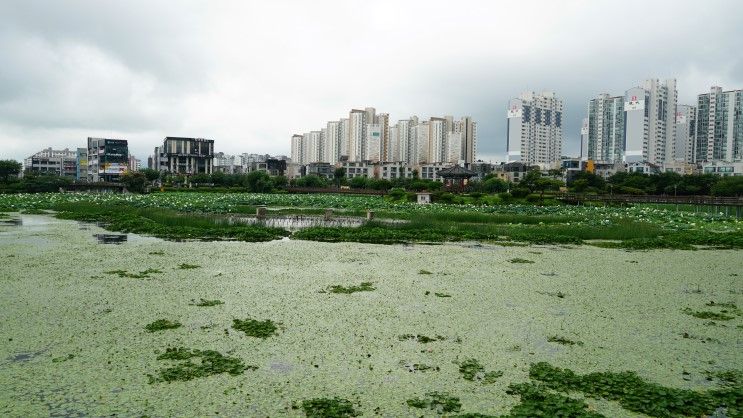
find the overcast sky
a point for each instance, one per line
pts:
(249, 74)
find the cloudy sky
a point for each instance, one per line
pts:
(251, 73)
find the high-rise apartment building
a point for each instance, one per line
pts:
(373, 141)
(357, 121)
(332, 141)
(437, 132)
(535, 128)
(606, 128)
(637, 127)
(719, 126)
(343, 133)
(468, 129)
(584, 129)
(686, 124)
(297, 155)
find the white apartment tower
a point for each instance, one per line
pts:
(535, 128)
(686, 122)
(584, 140)
(357, 135)
(468, 128)
(437, 132)
(719, 129)
(297, 155)
(332, 142)
(605, 140)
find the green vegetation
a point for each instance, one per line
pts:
(421, 338)
(141, 275)
(63, 359)
(424, 272)
(537, 401)
(207, 216)
(363, 287)
(472, 370)
(438, 401)
(185, 266)
(255, 328)
(442, 295)
(717, 316)
(161, 325)
(210, 363)
(328, 408)
(636, 395)
(563, 340)
(207, 302)
(520, 261)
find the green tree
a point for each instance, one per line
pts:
(494, 185)
(9, 168)
(339, 175)
(358, 182)
(728, 186)
(258, 182)
(150, 174)
(280, 182)
(134, 181)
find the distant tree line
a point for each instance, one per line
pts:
(658, 184)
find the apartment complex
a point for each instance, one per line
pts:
(534, 134)
(370, 136)
(686, 125)
(108, 159)
(719, 126)
(639, 126)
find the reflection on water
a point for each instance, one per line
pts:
(110, 238)
(11, 222)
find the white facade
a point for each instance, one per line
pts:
(584, 140)
(437, 140)
(356, 135)
(683, 146)
(535, 128)
(719, 126)
(332, 142)
(373, 143)
(297, 154)
(454, 148)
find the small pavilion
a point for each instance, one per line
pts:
(456, 177)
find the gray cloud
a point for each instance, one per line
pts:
(249, 74)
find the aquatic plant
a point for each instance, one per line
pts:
(207, 302)
(161, 325)
(141, 275)
(717, 316)
(520, 261)
(637, 395)
(424, 272)
(442, 295)
(421, 338)
(363, 287)
(328, 408)
(186, 266)
(210, 363)
(255, 328)
(563, 340)
(63, 359)
(472, 370)
(438, 401)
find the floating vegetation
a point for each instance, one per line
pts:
(727, 377)
(563, 340)
(537, 401)
(421, 338)
(161, 325)
(255, 328)
(438, 401)
(424, 272)
(156, 253)
(636, 395)
(63, 359)
(141, 275)
(328, 408)
(418, 367)
(210, 363)
(472, 370)
(185, 266)
(520, 261)
(717, 316)
(363, 287)
(554, 294)
(206, 302)
(442, 295)
(702, 339)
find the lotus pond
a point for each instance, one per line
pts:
(148, 327)
(214, 216)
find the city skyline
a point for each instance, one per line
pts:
(75, 69)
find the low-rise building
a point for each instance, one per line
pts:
(108, 159)
(51, 161)
(188, 155)
(721, 168)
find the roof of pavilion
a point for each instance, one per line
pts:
(456, 172)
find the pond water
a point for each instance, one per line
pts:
(74, 341)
